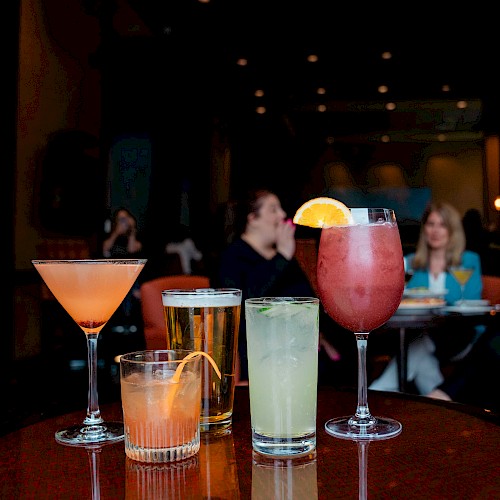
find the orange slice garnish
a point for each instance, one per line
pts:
(323, 212)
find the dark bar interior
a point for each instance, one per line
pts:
(174, 109)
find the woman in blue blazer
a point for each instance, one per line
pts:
(472, 289)
(441, 245)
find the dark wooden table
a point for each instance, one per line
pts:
(445, 451)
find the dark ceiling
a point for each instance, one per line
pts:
(429, 49)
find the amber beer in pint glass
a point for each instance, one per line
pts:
(208, 320)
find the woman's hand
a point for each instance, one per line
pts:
(285, 239)
(439, 394)
(331, 352)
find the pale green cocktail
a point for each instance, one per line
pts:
(282, 341)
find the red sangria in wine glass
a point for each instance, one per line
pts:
(361, 281)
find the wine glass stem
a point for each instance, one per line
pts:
(93, 413)
(94, 458)
(363, 469)
(362, 416)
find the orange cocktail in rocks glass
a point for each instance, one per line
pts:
(161, 400)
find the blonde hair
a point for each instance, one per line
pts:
(456, 244)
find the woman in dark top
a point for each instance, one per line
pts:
(260, 262)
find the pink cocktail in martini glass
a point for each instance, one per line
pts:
(90, 291)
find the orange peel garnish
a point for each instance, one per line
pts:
(177, 375)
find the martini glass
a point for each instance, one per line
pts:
(361, 281)
(462, 275)
(90, 291)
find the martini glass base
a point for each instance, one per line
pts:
(86, 435)
(383, 428)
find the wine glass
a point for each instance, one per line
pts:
(361, 281)
(462, 275)
(90, 291)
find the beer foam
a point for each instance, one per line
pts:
(201, 298)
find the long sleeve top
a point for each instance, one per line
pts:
(244, 268)
(473, 287)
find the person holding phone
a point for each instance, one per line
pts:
(122, 241)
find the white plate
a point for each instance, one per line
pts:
(468, 309)
(473, 303)
(423, 293)
(418, 308)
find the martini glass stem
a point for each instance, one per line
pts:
(362, 415)
(93, 412)
(462, 290)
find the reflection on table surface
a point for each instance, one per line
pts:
(209, 474)
(274, 479)
(446, 450)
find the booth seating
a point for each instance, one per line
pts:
(152, 305)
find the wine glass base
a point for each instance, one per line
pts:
(85, 435)
(383, 428)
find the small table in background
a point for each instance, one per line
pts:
(432, 319)
(403, 322)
